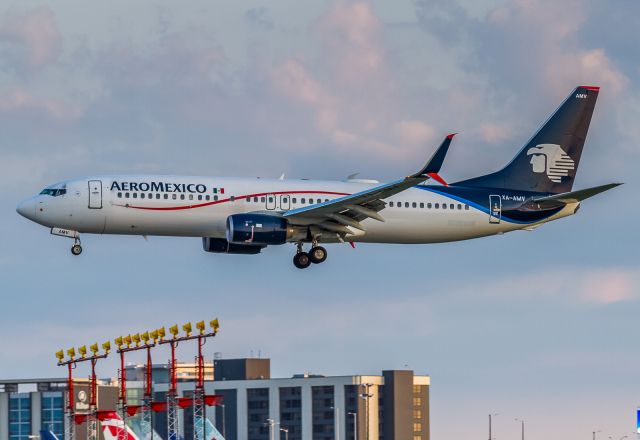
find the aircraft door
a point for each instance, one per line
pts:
(95, 194)
(285, 202)
(271, 202)
(495, 209)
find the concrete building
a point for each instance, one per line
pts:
(391, 406)
(29, 405)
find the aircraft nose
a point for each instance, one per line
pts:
(27, 209)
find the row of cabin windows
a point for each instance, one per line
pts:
(422, 205)
(158, 196)
(294, 200)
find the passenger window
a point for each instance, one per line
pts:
(262, 199)
(406, 204)
(294, 200)
(135, 195)
(466, 207)
(437, 205)
(166, 196)
(285, 199)
(142, 196)
(428, 205)
(414, 204)
(326, 200)
(158, 196)
(303, 200)
(270, 199)
(319, 200)
(444, 206)
(199, 196)
(255, 200)
(181, 196)
(150, 196)
(174, 196)
(126, 195)
(190, 196)
(459, 206)
(207, 197)
(391, 204)
(215, 198)
(452, 206)
(119, 195)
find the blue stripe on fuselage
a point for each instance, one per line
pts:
(449, 192)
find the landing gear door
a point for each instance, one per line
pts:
(285, 202)
(95, 194)
(271, 202)
(495, 209)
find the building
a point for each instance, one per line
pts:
(391, 406)
(29, 405)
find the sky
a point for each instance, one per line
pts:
(536, 325)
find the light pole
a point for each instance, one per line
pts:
(490, 427)
(286, 433)
(355, 424)
(224, 433)
(272, 424)
(521, 421)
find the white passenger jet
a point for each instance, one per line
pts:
(244, 215)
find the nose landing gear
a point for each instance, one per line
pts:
(76, 249)
(317, 254)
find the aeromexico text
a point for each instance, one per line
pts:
(160, 187)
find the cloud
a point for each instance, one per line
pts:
(19, 99)
(259, 17)
(35, 36)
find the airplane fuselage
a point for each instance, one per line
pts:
(199, 207)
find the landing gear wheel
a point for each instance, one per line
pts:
(301, 260)
(317, 254)
(76, 249)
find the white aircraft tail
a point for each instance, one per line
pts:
(113, 427)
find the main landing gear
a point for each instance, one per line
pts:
(316, 255)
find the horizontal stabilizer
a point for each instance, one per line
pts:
(577, 196)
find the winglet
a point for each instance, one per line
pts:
(435, 163)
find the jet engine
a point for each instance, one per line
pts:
(222, 246)
(262, 229)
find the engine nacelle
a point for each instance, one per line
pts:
(222, 246)
(261, 229)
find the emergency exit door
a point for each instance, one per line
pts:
(95, 194)
(495, 209)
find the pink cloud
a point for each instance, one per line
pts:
(37, 32)
(20, 99)
(610, 286)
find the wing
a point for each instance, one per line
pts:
(344, 214)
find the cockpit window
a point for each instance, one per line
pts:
(54, 192)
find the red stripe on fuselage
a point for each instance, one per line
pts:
(215, 202)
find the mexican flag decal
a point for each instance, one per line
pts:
(218, 190)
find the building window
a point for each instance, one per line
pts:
(53, 413)
(417, 414)
(19, 416)
(417, 401)
(416, 389)
(417, 427)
